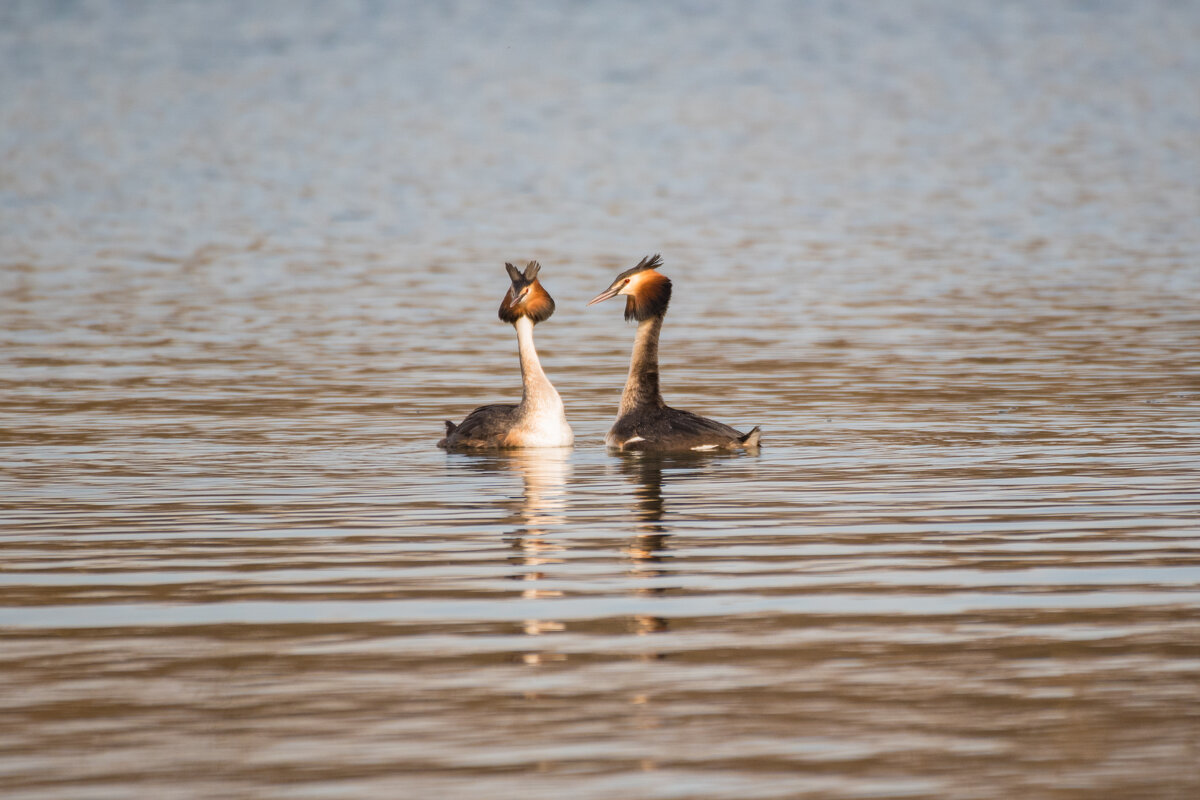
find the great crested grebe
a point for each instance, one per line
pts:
(644, 421)
(539, 420)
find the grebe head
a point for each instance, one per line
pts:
(526, 297)
(647, 291)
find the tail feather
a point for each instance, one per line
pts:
(450, 429)
(751, 438)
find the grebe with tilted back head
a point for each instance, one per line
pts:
(539, 419)
(644, 421)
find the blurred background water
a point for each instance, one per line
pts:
(946, 256)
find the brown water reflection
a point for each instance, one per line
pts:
(945, 256)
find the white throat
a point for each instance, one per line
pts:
(543, 420)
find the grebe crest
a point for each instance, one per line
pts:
(647, 291)
(527, 297)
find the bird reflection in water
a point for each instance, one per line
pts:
(539, 511)
(648, 551)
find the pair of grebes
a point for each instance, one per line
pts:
(644, 421)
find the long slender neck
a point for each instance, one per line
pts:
(537, 390)
(641, 388)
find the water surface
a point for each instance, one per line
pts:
(946, 258)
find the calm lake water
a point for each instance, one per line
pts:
(948, 258)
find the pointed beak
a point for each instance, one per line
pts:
(607, 293)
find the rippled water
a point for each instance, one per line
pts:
(948, 259)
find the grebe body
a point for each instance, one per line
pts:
(539, 420)
(644, 421)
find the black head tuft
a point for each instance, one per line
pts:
(649, 262)
(537, 303)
